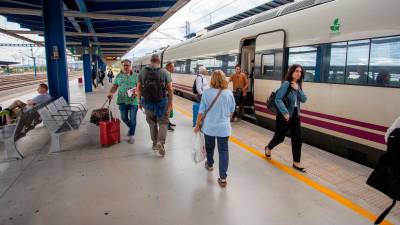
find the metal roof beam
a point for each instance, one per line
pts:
(21, 37)
(105, 16)
(76, 43)
(114, 49)
(78, 14)
(159, 9)
(80, 34)
(72, 20)
(82, 8)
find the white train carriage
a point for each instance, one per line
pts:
(349, 49)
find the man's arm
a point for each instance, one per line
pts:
(246, 84)
(139, 93)
(170, 95)
(112, 90)
(199, 85)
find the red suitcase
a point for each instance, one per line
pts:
(110, 132)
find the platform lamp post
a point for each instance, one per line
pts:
(34, 62)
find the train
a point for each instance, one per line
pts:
(350, 51)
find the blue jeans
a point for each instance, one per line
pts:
(222, 150)
(128, 115)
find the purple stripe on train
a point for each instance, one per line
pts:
(336, 127)
(340, 119)
(321, 115)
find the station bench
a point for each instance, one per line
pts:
(10, 134)
(59, 117)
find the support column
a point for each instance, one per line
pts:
(95, 67)
(54, 36)
(87, 70)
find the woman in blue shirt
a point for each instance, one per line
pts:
(288, 115)
(216, 124)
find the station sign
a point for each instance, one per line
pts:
(112, 58)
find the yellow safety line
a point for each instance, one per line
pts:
(333, 195)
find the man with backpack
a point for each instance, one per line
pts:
(201, 83)
(155, 86)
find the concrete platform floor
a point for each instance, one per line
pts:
(130, 184)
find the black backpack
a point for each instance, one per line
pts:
(194, 88)
(271, 101)
(2, 119)
(386, 176)
(154, 89)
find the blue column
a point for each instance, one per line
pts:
(87, 70)
(96, 67)
(54, 37)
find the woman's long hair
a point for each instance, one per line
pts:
(289, 74)
(218, 80)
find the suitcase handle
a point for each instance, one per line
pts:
(109, 109)
(109, 102)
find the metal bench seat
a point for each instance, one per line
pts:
(60, 117)
(10, 134)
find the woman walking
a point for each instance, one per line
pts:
(288, 99)
(216, 108)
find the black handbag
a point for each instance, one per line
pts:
(101, 114)
(386, 176)
(271, 105)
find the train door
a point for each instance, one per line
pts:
(247, 65)
(269, 66)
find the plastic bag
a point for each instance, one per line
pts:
(199, 148)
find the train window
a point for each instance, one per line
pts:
(208, 63)
(334, 62)
(193, 66)
(267, 65)
(231, 61)
(306, 57)
(180, 66)
(385, 62)
(357, 62)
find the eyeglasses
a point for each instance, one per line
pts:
(127, 65)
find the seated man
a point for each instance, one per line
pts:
(17, 106)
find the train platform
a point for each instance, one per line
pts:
(130, 184)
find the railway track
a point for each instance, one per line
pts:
(17, 81)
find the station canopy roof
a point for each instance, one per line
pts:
(251, 12)
(115, 26)
(6, 63)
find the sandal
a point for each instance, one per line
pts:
(209, 168)
(301, 169)
(265, 152)
(222, 182)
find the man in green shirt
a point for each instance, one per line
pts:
(127, 100)
(155, 85)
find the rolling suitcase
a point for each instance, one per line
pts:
(110, 130)
(195, 109)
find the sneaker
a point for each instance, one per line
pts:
(172, 124)
(170, 128)
(154, 147)
(161, 149)
(131, 140)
